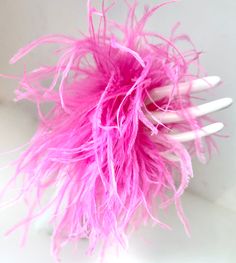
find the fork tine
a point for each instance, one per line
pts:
(198, 111)
(204, 131)
(193, 86)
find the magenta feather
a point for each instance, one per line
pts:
(97, 147)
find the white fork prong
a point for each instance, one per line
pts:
(192, 135)
(194, 86)
(198, 111)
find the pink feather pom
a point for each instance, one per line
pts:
(97, 148)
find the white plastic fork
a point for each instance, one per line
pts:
(197, 85)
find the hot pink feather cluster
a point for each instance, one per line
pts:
(97, 150)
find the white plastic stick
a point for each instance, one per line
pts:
(198, 111)
(192, 86)
(205, 131)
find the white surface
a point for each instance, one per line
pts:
(213, 227)
(213, 240)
